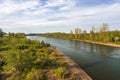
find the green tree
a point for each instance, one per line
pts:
(84, 33)
(92, 34)
(1, 33)
(71, 34)
(103, 32)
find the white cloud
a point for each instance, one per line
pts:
(34, 7)
(69, 5)
(9, 6)
(62, 5)
(40, 11)
(67, 15)
(40, 23)
(54, 3)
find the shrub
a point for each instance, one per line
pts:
(35, 74)
(62, 72)
(4, 48)
(21, 46)
(16, 76)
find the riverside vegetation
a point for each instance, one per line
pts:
(102, 35)
(25, 59)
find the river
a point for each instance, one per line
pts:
(98, 61)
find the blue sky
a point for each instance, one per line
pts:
(40, 16)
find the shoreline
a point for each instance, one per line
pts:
(94, 42)
(79, 73)
(100, 43)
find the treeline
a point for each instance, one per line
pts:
(102, 34)
(25, 59)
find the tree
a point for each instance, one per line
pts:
(1, 33)
(77, 33)
(71, 34)
(116, 36)
(84, 33)
(92, 33)
(20, 34)
(103, 32)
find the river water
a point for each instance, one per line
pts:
(98, 61)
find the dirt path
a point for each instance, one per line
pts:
(73, 67)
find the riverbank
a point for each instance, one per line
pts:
(73, 67)
(100, 43)
(93, 42)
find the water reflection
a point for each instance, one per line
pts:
(85, 66)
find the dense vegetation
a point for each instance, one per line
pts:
(97, 35)
(25, 59)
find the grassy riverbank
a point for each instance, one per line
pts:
(101, 35)
(25, 59)
(100, 43)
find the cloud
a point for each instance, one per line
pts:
(55, 13)
(36, 12)
(9, 6)
(63, 4)
(51, 7)
(54, 3)
(34, 7)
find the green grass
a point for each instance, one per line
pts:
(25, 59)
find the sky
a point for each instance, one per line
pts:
(42, 16)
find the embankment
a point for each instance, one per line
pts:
(100, 43)
(73, 67)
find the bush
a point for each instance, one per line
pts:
(2, 61)
(21, 46)
(19, 55)
(62, 72)
(4, 48)
(35, 74)
(16, 76)
(1, 41)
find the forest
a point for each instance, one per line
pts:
(102, 34)
(25, 59)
